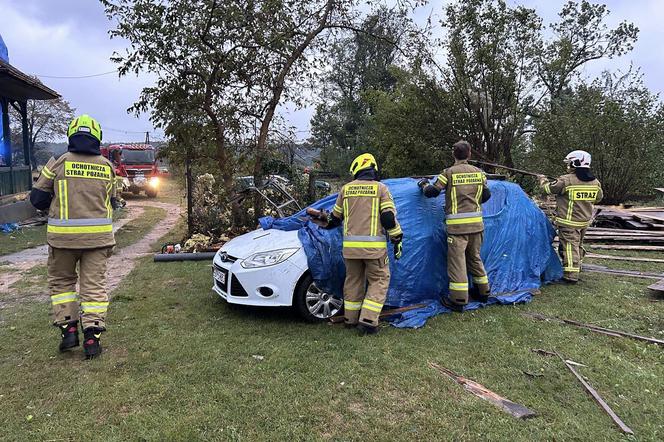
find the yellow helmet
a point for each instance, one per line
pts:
(362, 162)
(85, 124)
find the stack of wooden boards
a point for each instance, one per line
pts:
(640, 218)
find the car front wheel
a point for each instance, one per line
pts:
(314, 304)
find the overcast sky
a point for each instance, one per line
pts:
(70, 38)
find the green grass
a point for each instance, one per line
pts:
(139, 227)
(25, 238)
(179, 365)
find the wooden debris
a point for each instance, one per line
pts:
(516, 410)
(624, 428)
(658, 286)
(394, 311)
(602, 269)
(625, 247)
(594, 328)
(542, 352)
(622, 258)
(384, 314)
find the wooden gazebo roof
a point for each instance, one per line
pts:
(16, 85)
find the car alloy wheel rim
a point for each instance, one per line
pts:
(321, 304)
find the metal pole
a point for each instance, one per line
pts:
(27, 144)
(7, 141)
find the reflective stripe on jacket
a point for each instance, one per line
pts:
(80, 216)
(463, 186)
(360, 204)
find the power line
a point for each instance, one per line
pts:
(77, 77)
(125, 131)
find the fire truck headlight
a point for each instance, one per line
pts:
(154, 182)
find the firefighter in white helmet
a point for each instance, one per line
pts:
(576, 193)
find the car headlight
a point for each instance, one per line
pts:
(154, 181)
(264, 259)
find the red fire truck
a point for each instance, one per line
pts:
(136, 165)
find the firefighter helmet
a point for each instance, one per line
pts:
(362, 162)
(85, 124)
(578, 159)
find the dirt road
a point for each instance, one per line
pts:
(119, 265)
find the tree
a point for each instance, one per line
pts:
(47, 121)
(412, 126)
(233, 61)
(581, 35)
(361, 62)
(501, 69)
(618, 121)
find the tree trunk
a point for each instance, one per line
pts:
(189, 185)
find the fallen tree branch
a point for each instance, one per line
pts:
(516, 410)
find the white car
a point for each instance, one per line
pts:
(269, 268)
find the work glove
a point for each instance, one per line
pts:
(424, 182)
(542, 179)
(397, 241)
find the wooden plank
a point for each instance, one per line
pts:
(602, 269)
(658, 286)
(479, 390)
(646, 239)
(624, 428)
(634, 231)
(645, 209)
(594, 328)
(626, 247)
(622, 258)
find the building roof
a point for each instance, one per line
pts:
(17, 85)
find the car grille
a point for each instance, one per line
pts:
(237, 289)
(225, 257)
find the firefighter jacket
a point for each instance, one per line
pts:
(359, 205)
(463, 186)
(574, 200)
(80, 214)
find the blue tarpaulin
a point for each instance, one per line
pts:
(517, 251)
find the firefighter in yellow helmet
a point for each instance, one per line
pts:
(78, 190)
(465, 190)
(366, 209)
(576, 193)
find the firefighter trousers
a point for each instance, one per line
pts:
(365, 289)
(90, 303)
(463, 257)
(571, 251)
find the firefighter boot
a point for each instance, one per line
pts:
(455, 307)
(91, 343)
(366, 329)
(69, 334)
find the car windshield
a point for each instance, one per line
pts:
(130, 156)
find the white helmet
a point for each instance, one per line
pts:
(578, 158)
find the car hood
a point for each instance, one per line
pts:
(261, 240)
